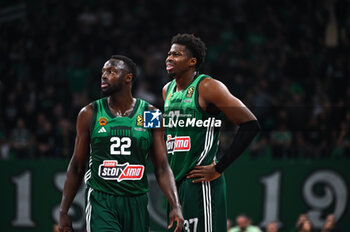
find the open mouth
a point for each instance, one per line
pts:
(169, 67)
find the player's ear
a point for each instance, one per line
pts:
(129, 77)
(193, 61)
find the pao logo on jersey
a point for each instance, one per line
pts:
(111, 170)
(102, 121)
(151, 119)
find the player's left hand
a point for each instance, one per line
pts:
(204, 173)
(65, 223)
(176, 215)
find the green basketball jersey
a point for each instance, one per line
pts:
(119, 146)
(192, 134)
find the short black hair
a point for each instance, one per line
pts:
(194, 44)
(132, 68)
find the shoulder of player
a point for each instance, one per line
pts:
(210, 83)
(87, 109)
(209, 86)
(165, 89)
(148, 105)
(86, 113)
(152, 107)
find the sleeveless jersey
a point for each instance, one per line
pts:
(192, 134)
(118, 150)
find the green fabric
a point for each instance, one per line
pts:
(203, 205)
(190, 144)
(119, 147)
(106, 212)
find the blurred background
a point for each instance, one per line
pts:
(288, 61)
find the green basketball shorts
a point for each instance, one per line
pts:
(105, 212)
(203, 205)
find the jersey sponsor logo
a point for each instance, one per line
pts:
(139, 120)
(177, 144)
(102, 121)
(111, 170)
(151, 119)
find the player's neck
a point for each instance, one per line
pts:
(121, 103)
(182, 81)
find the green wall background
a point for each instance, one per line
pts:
(263, 189)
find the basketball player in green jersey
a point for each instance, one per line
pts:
(193, 106)
(112, 139)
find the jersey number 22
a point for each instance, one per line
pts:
(120, 146)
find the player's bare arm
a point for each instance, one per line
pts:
(214, 94)
(76, 168)
(213, 98)
(165, 177)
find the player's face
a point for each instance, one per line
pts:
(179, 59)
(113, 72)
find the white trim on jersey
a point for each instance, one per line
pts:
(88, 172)
(208, 220)
(87, 176)
(209, 138)
(88, 211)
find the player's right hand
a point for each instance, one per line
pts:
(65, 223)
(176, 215)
